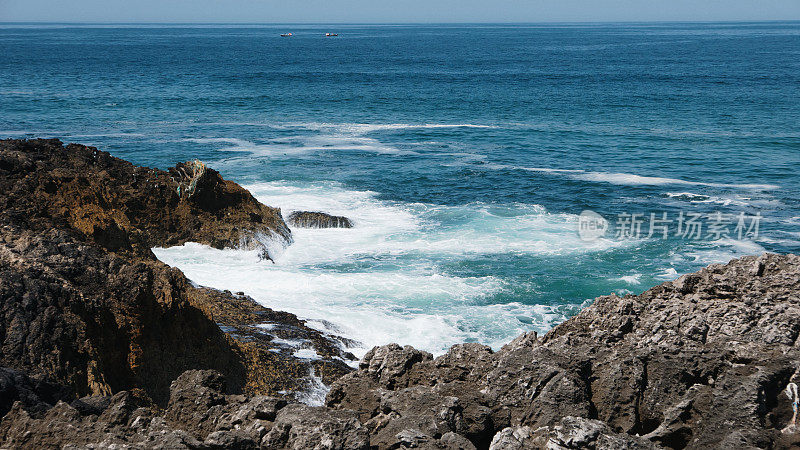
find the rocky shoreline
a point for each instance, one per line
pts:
(105, 346)
(87, 305)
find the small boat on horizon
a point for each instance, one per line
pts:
(330, 34)
(286, 34)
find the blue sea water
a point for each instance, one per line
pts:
(463, 153)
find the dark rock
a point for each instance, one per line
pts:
(308, 219)
(695, 363)
(230, 440)
(200, 415)
(35, 396)
(85, 304)
(91, 405)
(121, 206)
(569, 433)
(304, 427)
(699, 363)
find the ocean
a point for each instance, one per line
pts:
(464, 154)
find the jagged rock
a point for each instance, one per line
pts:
(629, 372)
(199, 405)
(695, 363)
(200, 415)
(91, 405)
(309, 219)
(121, 206)
(580, 433)
(191, 398)
(85, 303)
(36, 395)
(569, 433)
(303, 427)
(453, 441)
(516, 438)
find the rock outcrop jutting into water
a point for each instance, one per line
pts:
(85, 303)
(94, 331)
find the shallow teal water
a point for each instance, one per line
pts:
(463, 153)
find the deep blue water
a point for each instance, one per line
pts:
(463, 153)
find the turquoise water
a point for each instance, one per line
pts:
(464, 154)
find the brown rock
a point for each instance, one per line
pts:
(84, 302)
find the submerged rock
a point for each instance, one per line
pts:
(308, 219)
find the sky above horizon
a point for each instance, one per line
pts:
(397, 11)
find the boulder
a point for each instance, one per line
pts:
(309, 219)
(301, 427)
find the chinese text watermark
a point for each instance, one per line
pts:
(662, 225)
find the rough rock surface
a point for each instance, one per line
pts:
(308, 219)
(696, 363)
(699, 362)
(85, 304)
(199, 415)
(121, 206)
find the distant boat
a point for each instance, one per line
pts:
(286, 35)
(330, 34)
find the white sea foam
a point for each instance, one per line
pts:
(629, 179)
(301, 145)
(547, 170)
(689, 196)
(723, 250)
(363, 128)
(314, 392)
(306, 353)
(730, 200)
(314, 137)
(668, 273)
(630, 279)
(378, 282)
(384, 227)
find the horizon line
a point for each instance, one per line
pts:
(553, 22)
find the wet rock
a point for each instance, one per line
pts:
(309, 219)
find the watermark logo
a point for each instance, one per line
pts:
(684, 225)
(591, 226)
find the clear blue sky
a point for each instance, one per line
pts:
(357, 11)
